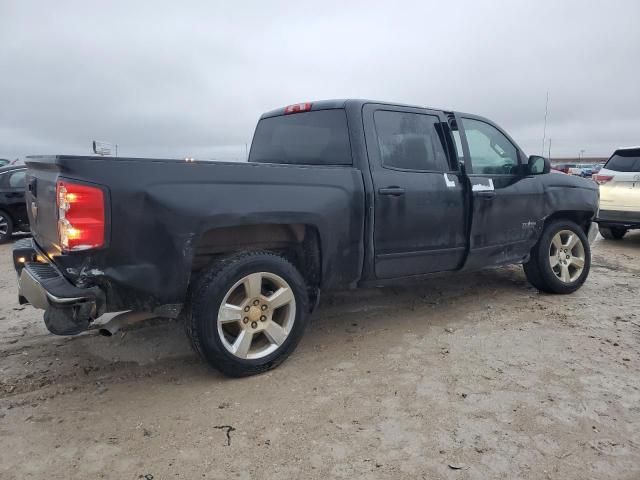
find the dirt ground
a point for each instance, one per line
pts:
(474, 376)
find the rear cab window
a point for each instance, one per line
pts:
(624, 161)
(317, 137)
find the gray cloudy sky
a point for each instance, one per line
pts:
(186, 78)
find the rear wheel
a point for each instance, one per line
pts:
(561, 259)
(6, 227)
(612, 233)
(248, 313)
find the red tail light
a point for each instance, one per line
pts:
(602, 179)
(297, 108)
(80, 216)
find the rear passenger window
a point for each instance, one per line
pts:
(411, 141)
(310, 138)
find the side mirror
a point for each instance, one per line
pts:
(538, 165)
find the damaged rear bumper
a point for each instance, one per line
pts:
(41, 284)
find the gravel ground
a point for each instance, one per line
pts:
(474, 376)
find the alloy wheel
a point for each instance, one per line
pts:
(256, 315)
(566, 256)
(4, 226)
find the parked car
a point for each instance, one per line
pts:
(587, 170)
(336, 194)
(619, 182)
(581, 170)
(564, 167)
(13, 212)
(4, 162)
(596, 168)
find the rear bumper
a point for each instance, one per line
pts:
(42, 285)
(619, 218)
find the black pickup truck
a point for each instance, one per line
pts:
(336, 194)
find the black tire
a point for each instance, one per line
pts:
(210, 290)
(538, 269)
(6, 227)
(612, 233)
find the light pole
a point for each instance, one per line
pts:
(544, 130)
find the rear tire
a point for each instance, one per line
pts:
(561, 259)
(6, 227)
(247, 313)
(612, 233)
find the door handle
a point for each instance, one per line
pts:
(393, 191)
(488, 195)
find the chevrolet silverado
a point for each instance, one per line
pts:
(335, 194)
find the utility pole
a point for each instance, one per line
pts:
(549, 157)
(544, 130)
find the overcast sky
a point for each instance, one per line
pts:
(183, 78)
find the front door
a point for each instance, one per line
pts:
(419, 217)
(506, 203)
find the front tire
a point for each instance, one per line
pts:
(561, 259)
(612, 233)
(6, 227)
(248, 313)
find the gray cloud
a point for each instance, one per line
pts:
(184, 78)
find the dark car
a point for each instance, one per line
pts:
(336, 194)
(13, 211)
(563, 167)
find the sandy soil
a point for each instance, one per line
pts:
(475, 376)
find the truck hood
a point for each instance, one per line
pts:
(571, 181)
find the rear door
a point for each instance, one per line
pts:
(507, 206)
(419, 217)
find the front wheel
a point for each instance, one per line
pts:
(561, 259)
(248, 313)
(612, 233)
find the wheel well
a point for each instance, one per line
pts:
(10, 217)
(298, 243)
(582, 218)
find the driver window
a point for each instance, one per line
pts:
(491, 152)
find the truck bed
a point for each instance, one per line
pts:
(163, 214)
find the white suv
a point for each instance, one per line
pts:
(619, 182)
